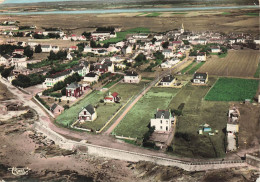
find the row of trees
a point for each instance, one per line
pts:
(60, 55)
(25, 81)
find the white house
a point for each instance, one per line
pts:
(215, 49)
(87, 113)
(19, 61)
(167, 81)
(55, 48)
(5, 59)
(87, 49)
(167, 53)
(71, 56)
(91, 77)
(46, 48)
(51, 80)
(132, 77)
(201, 56)
(200, 78)
(112, 98)
(141, 36)
(162, 121)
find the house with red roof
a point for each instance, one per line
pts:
(112, 98)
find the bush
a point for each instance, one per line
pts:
(56, 95)
(66, 107)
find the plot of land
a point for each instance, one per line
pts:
(136, 121)
(122, 35)
(242, 63)
(197, 112)
(195, 68)
(104, 111)
(233, 89)
(4, 93)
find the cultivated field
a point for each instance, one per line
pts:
(104, 110)
(137, 119)
(197, 112)
(242, 63)
(233, 89)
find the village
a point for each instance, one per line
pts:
(156, 90)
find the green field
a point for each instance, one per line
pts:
(104, 110)
(233, 89)
(122, 35)
(137, 119)
(253, 14)
(257, 73)
(197, 112)
(155, 14)
(184, 70)
(195, 68)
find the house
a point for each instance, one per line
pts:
(56, 109)
(167, 53)
(74, 90)
(91, 77)
(167, 81)
(73, 48)
(132, 77)
(71, 56)
(215, 49)
(46, 48)
(87, 113)
(109, 64)
(87, 49)
(112, 98)
(5, 59)
(51, 80)
(81, 69)
(201, 56)
(170, 63)
(200, 78)
(127, 50)
(18, 51)
(141, 36)
(101, 68)
(55, 48)
(19, 61)
(162, 121)
(233, 120)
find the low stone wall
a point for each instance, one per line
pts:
(49, 112)
(133, 156)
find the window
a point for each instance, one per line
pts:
(166, 121)
(85, 112)
(161, 121)
(161, 127)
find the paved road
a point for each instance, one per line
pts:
(129, 107)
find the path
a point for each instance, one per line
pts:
(113, 126)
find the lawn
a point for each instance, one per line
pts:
(253, 14)
(187, 68)
(195, 68)
(155, 14)
(137, 119)
(197, 112)
(122, 35)
(257, 73)
(104, 111)
(233, 89)
(142, 14)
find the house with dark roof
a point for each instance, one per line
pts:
(112, 98)
(51, 80)
(5, 59)
(74, 90)
(56, 109)
(167, 81)
(132, 77)
(201, 56)
(200, 78)
(91, 77)
(162, 121)
(87, 113)
(101, 68)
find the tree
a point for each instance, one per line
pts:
(158, 55)
(165, 45)
(140, 58)
(63, 91)
(87, 35)
(28, 52)
(38, 48)
(22, 81)
(6, 72)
